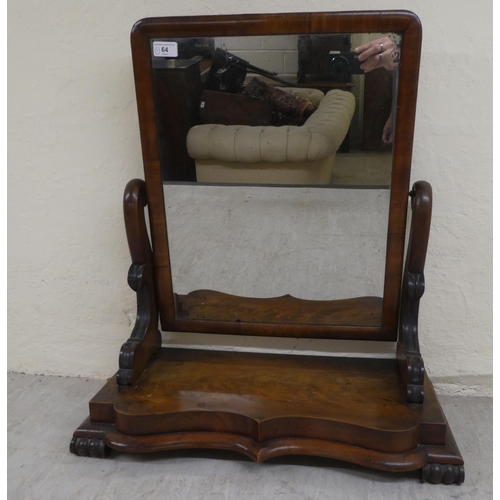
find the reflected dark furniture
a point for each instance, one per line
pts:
(177, 87)
(379, 413)
(376, 109)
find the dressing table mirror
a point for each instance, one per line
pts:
(277, 156)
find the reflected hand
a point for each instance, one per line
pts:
(377, 54)
(388, 133)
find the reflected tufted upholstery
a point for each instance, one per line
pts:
(268, 154)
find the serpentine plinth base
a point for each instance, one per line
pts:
(269, 405)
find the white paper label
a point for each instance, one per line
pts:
(165, 49)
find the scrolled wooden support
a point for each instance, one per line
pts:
(411, 363)
(145, 339)
(443, 473)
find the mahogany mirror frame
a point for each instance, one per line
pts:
(378, 413)
(404, 23)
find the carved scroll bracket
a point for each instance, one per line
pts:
(145, 339)
(411, 363)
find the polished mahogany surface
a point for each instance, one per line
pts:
(269, 405)
(268, 396)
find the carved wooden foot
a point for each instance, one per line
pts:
(89, 447)
(442, 473)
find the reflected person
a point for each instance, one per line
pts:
(380, 53)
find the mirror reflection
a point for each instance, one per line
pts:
(303, 110)
(248, 128)
(255, 241)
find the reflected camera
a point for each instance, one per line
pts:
(344, 64)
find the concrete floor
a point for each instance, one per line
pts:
(43, 412)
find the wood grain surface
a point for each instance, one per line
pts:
(209, 304)
(269, 396)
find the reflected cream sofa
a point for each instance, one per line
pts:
(275, 155)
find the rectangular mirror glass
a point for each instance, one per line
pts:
(275, 109)
(249, 128)
(263, 242)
